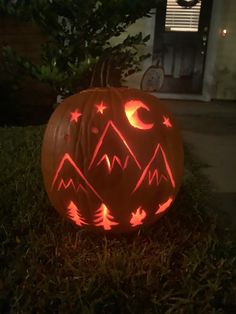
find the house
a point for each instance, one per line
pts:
(194, 41)
(196, 46)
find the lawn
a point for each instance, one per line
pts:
(182, 264)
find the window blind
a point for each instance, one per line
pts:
(181, 19)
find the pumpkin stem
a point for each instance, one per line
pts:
(93, 74)
(105, 66)
(108, 71)
(102, 72)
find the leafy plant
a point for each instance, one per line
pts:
(78, 45)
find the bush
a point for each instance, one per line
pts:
(79, 49)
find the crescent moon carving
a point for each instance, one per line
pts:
(131, 111)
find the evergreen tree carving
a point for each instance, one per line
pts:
(103, 218)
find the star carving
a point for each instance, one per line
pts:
(75, 115)
(101, 107)
(167, 122)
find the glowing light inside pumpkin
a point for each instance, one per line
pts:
(163, 207)
(138, 217)
(110, 124)
(146, 170)
(103, 218)
(154, 176)
(119, 152)
(70, 183)
(131, 111)
(75, 115)
(67, 158)
(115, 160)
(101, 107)
(94, 130)
(166, 122)
(75, 215)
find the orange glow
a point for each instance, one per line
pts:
(154, 176)
(74, 214)
(103, 218)
(70, 183)
(110, 124)
(115, 159)
(163, 207)
(94, 130)
(66, 185)
(146, 170)
(75, 115)
(101, 107)
(166, 122)
(131, 111)
(137, 217)
(67, 158)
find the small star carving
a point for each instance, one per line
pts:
(167, 122)
(101, 108)
(75, 115)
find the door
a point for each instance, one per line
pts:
(181, 34)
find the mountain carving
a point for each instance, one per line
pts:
(156, 171)
(105, 153)
(79, 181)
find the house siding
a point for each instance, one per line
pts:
(225, 65)
(220, 74)
(23, 37)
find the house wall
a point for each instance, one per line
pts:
(33, 96)
(225, 62)
(220, 70)
(146, 25)
(24, 37)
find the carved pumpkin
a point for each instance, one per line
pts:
(112, 159)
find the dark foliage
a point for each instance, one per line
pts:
(79, 35)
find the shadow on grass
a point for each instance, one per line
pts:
(182, 264)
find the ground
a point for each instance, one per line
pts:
(184, 263)
(209, 128)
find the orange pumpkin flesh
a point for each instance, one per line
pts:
(112, 159)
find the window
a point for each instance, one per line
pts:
(181, 19)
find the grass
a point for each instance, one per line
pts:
(182, 264)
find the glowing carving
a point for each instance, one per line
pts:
(146, 170)
(154, 176)
(101, 107)
(115, 160)
(94, 130)
(67, 158)
(74, 214)
(131, 111)
(66, 185)
(138, 217)
(70, 183)
(103, 218)
(163, 207)
(109, 125)
(167, 122)
(112, 159)
(75, 115)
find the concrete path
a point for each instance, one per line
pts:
(210, 129)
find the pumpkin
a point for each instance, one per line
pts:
(112, 159)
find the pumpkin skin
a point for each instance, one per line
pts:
(112, 159)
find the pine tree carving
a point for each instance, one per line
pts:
(75, 215)
(103, 218)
